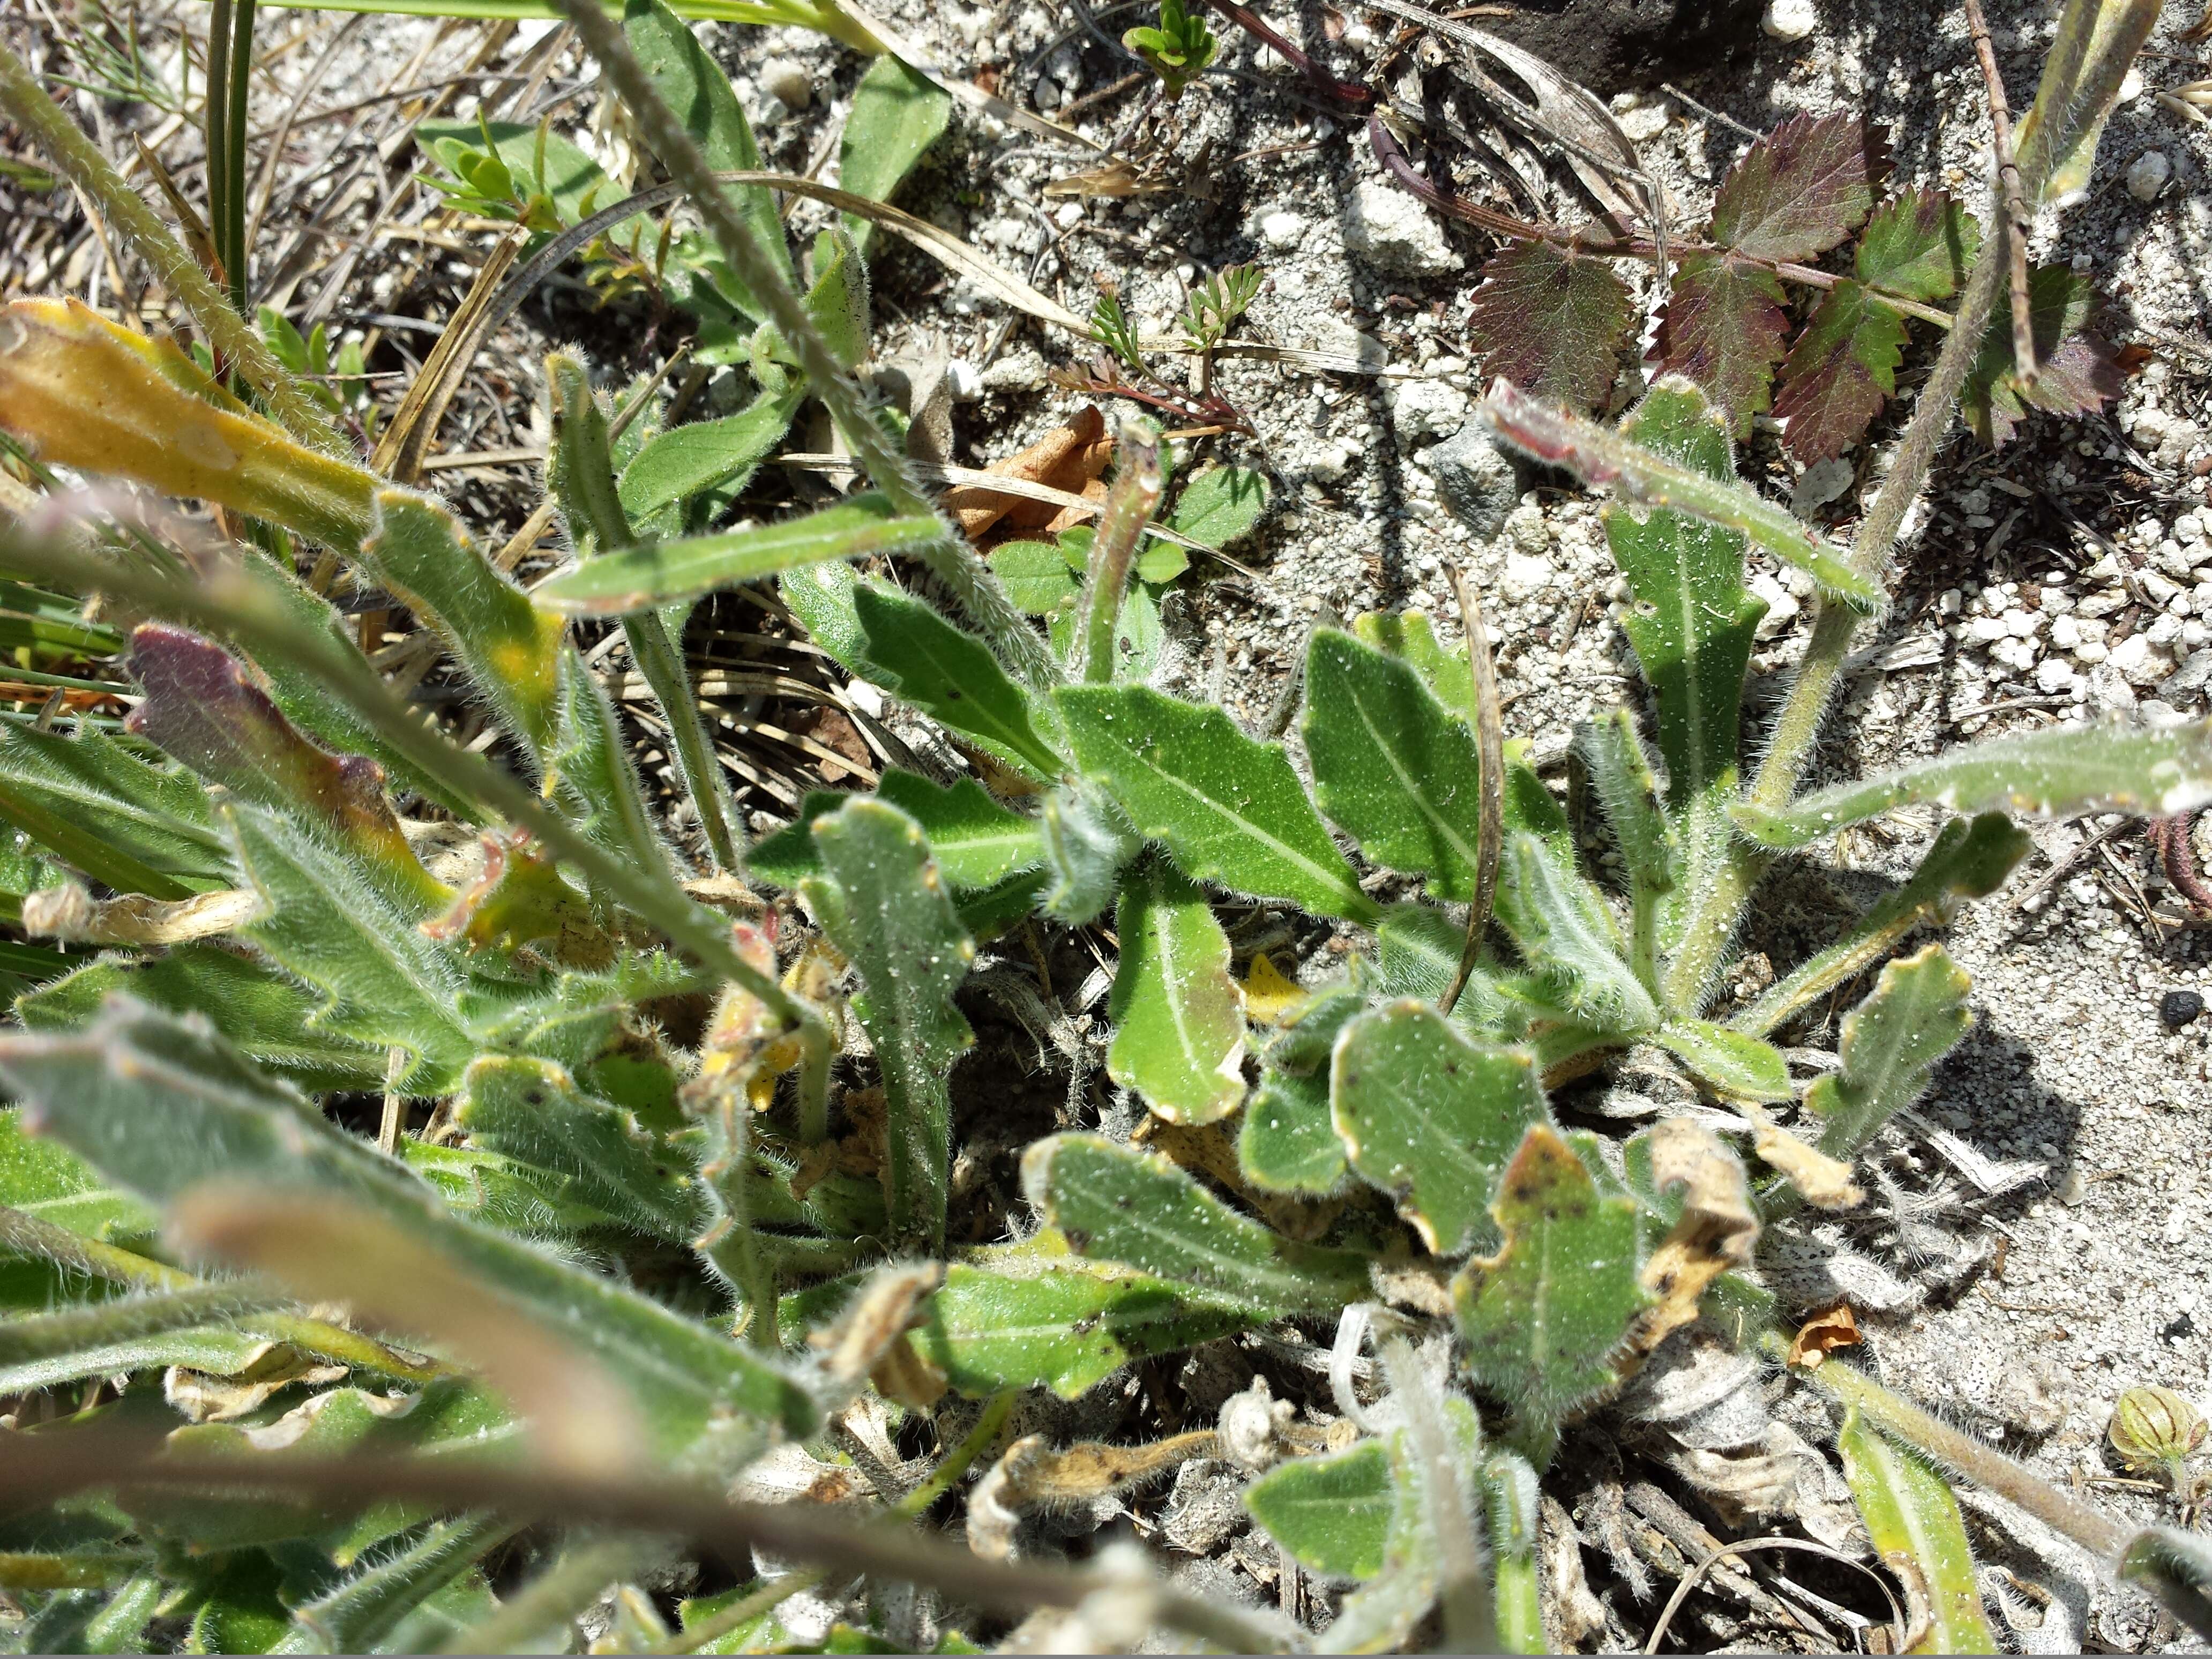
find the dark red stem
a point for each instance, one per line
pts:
(1350, 96)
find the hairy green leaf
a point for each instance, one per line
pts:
(1332, 1513)
(1736, 1066)
(1216, 507)
(1412, 634)
(837, 299)
(1914, 1016)
(592, 775)
(951, 676)
(1038, 576)
(1553, 320)
(1913, 1523)
(1568, 938)
(54, 1185)
(1541, 1318)
(1802, 189)
(976, 842)
(1115, 1204)
(1178, 1017)
(532, 1111)
(135, 826)
(161, 1105)
(1392, 767)
(572, 180)
(883, 903)
(1432, 1118)
(1229, 807)
(1288, 1142)
(674, 465)
(510, 648)
(2062, 771)
(897, 115)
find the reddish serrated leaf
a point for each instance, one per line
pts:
(1724, 327)
(203, 708)
(1551, 321)
(1919, 245)
(2080, 371)
(1839, 373)
(1802, 189)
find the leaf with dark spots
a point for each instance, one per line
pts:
(1840, 374)
(202, 707)
(1920, 246)
(1723, 328)
(1802, 189)
(1553, 321)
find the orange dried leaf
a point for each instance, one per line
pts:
(1067, 458)
(1822, 1335)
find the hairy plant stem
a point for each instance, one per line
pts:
(229, 335)
(972, 582)
(1719, 910)
(1129, 504)
(231, 600)
(1962, 1455)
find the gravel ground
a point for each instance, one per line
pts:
(2037, 1241)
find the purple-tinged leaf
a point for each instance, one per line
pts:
(1552, 321)
(1802, 189)
(1919, 246)
(2080, 371)
(1724, 327)
(1839, 373)
(202, 707)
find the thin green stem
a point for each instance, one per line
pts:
(79, 160)
(235, 253)
(1129, 507)
(971, 582)
(558, 1595)
(1962, 1454)
(215, 128)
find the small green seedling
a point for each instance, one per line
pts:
(1179, 50)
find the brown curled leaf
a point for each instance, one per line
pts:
(1713, 1234)
(1825, 1183)
(1067, 459)
(1822, 1335)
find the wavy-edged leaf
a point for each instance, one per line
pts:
(1553, 320)
(1288, 1142)
(509, 647)
(1412, 634)
(949, 675)
(2076, 370)
(1914, 1016)
(883, 903)
(534, 1111)
(1920, 245)
(1030, 1314)
(1724, 328)
(1229, 807)
(1802, 189)
(1912, 1520)
(203, 708)
(1839, 373)
(674, 465)
(265, 1013)
(897, 115)
(1647, 478)
(2062, 771)
(358, 943)
(1178, 1016)
(1114, 1203)
(1430, 1118)
(1393, 768)
(1542, 1318)
(121, 820)
(1332, 1513)
(161, 1105)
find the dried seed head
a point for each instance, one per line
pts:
(2154, 1428)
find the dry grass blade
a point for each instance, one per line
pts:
(406, 440)
(1899, 1636)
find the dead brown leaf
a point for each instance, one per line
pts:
(1825, 1183)
(1714, 1232)
(1068, 459)
(1823, 1333)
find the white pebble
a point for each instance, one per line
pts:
(2149, 175)
(1790, 20)
(787, 83)
(1281, 230)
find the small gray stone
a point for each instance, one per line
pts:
(1385, 227)
(1477, 484)
(2191, 677)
